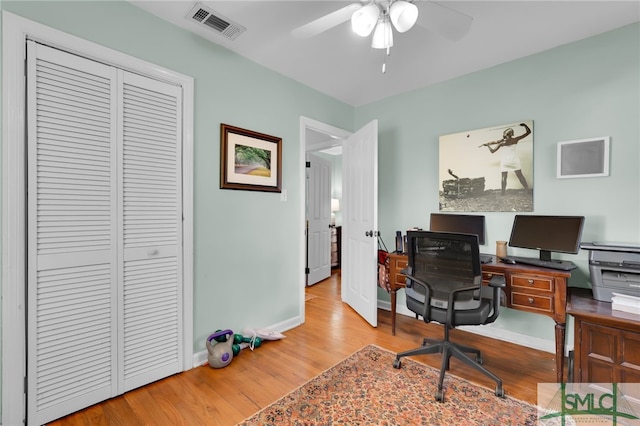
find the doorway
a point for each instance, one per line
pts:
(317, 137)
(360, 219)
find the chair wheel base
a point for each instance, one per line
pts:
(440, 396)
(499, 392)
(397, 363)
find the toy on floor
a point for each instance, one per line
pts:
(223, 345)
(241, 342)
(251, 338)
(220, 348)
(263, 333)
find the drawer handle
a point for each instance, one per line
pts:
(531, 300)
(530, 281)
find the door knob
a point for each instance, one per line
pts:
(368, 234)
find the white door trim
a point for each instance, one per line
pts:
(309, 123)
(15, 31)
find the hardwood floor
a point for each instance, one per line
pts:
(332, 331)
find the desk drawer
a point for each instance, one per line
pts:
(397, 265)
(400, 279)
(528, 281)
(529, 301)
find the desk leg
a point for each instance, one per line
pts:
(393, 312)
(560, 335)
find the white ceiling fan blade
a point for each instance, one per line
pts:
(444, 21)
(326, 22)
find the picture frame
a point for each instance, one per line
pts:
(488, 169)
(249, 160)
(583, 158)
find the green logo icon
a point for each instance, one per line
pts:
(588, 404)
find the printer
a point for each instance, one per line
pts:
(614, 268)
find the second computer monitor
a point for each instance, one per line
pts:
(560, 234)
(461, 223)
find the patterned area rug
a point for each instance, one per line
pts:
(365, 389)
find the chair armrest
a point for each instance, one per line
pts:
(411, 281)
(453, 296)
(497, 281)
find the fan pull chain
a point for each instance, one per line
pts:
(384, 63)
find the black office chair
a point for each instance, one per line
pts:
(444, 284)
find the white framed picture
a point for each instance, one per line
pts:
(583, 158)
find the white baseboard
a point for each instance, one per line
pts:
(200, 358)
(491, 331)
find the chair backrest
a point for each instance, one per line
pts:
(446, 261)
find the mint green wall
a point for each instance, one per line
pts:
(246, 265)
(590, 88)
(241, 275)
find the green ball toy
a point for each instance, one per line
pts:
(236, 349)
(239, 338)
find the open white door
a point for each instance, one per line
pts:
(318, 219)
(360, 221)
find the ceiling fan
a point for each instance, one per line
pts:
(378, 16)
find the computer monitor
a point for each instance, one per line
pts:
(547, 234)
(459, 223)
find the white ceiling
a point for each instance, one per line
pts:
(344, 66)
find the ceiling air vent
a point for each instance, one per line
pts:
(216, 21)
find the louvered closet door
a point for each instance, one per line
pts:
(151, 261)
(72, 230)
(104, 294)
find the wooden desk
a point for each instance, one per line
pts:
(606, 342)
(397, 262)
(336, 245)
(528, 288)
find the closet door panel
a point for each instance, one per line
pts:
(71, 233)
(104, 239)
(151, 260)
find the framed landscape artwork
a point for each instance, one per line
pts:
(250, 160)
(487, 169)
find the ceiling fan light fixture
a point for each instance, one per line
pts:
(383, 35)
(403, 15)
(363, 20)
